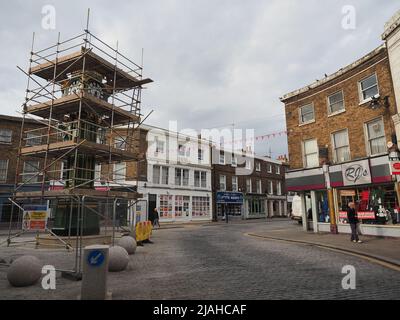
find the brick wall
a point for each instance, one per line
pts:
(353, 118)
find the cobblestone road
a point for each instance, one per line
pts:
(221, 262)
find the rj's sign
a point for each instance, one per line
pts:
(394, 167)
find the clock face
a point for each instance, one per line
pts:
(95, 90)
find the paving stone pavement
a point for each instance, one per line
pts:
(221, 262)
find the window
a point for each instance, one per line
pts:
(120, 142)
(33, 139)
(164, 175)
(5, 136)
(335, 102)
(221, 157)
(310, 148)
(156, 174)
(3, 170)
(279, 188)
(222, 183)
(306, 113)
(258, 166)
(119, 172)
(368, 87)
(234, 160)
(270, 187)
(341, 146)
(278, 170)
(269, 168)
(258, 186)
(183, 151)
(182, 206)
(376, 137)
(235, 184)
(200, 154)
(200, 206)
(248, 185)
(64, 170)
(166, 206)
(248, 164)
(31, 170)
(200, 179)
(97, 172)
(159, 145)
(181, 177)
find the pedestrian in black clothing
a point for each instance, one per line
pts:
(156, 221)
(353, 221)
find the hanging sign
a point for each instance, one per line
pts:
(356, 173)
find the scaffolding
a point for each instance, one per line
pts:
(84, 94)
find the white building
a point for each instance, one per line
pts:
(178, 178)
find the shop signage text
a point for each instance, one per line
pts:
(362, 215)
(356, 173)
(230, 197)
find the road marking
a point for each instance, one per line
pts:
(386, 264)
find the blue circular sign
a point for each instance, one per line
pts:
(95, 258)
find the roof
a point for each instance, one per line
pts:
(17, 119)
(335, 75)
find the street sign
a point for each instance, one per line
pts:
(95, 258)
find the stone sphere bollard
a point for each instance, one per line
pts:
(24, 271)
(128, 243)
(118, 259)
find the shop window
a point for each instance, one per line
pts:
(336, 102)
(341, 147)
(368, 88)
(376, 137)
(166, 202)
(200, 206)
(3, 170)
(306, 114)
(310, 149)
(5, 136)
(182, 206)
(256, 206)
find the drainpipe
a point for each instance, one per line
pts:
(332, 215)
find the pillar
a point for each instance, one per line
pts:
(271, 208)
(285, 204)
(304, 211)
(314, 208)
(280, 208)
(332, 216)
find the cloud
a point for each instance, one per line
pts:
(213, 62)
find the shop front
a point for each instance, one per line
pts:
(367, 182)
(255, 206)
(230, 203)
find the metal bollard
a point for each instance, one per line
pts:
(95, 270)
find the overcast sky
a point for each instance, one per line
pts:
(213, 62)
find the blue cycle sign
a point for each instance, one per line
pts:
(95, 258)
(356, 173)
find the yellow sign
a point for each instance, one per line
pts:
(143, 230)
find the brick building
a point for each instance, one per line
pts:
(10, 133)
(338, 130)
(248, 186)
